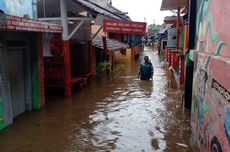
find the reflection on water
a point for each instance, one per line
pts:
(118, 113)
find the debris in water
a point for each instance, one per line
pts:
(182, 145)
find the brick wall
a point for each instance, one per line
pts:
(40, 70)
(24, 24)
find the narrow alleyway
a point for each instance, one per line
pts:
(114, 114)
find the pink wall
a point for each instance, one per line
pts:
(211, 84)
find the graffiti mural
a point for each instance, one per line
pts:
(211, 85)
(17, 7)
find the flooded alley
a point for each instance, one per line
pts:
(119, 113)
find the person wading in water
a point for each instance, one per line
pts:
(146, 69)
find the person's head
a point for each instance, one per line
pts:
(146, 58)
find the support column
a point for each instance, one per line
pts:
(189, 63)
(169, 58)
(90, 57)
(66, 48)
(105, 47)
(41, 75)
(112, 62)
(178, 29)
(132, 52)
(35, 14)
(185, 37)
(166, 54)
(181, 68)
(66, 54)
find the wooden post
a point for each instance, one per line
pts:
(112, 60)
(132, 52)
(166, 54)
(181, 68)
(178, 29)
(41, 74)
(105, 47)
(66, 54)
(90, 49)
(185, 37)
(169, 57)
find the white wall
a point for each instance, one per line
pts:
(46, 44)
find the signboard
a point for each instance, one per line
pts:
(17, 7)
(126, 27)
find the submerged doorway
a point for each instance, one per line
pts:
(17, 80)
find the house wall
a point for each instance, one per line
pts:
(171, 41)
(84, 32)
(95, 29)
(82, 36)
(46, 38)
(123, 58)
(8, 81)
(79, 53)
(33, 81)
(211, 83)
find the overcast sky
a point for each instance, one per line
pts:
(140, 9)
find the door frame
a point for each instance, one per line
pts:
(16, 36)
(12, 51)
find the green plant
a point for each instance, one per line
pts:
(106, 66)
(102, 66)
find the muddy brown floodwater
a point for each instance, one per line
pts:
(119, 113)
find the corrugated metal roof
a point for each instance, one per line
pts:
(96, 8)
(162, 31)
(111, 44)
(172, 4)
(105, 4)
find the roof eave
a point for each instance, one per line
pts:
(172, 4)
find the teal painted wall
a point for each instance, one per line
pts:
(17, 7)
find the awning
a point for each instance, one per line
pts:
(162, 31)
(170, 19)
(111, 44)
(172, 4)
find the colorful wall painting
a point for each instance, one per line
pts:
(211, 84)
